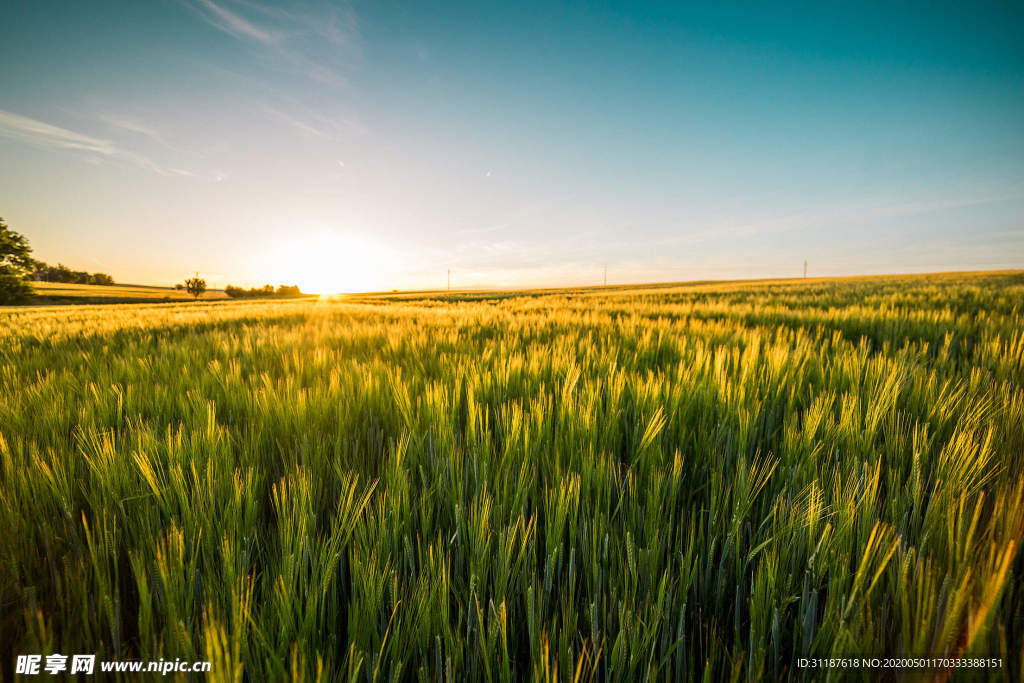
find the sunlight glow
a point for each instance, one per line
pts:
(329, 263)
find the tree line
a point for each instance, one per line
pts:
(43, 272)
(18, 269)
(266, 291)
(196, 286)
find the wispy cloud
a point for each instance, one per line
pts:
(928, 206)
(41, 134)
(545, 211)
(494, 254)
(866, 212)
(304, 127)
(857, 213)
(134, 126)
(316, 43)
(335, 23)
(232, 23)
(312, 123)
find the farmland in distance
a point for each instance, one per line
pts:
(63, 293)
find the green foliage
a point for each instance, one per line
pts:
(13, 289)
(15, 266)
(195, 286)
(264, 292)
(61, 273)
(701, 482)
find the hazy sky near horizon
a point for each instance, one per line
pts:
(372, 145)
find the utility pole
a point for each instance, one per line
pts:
(805, 269)
(449, 279)
(606, 275)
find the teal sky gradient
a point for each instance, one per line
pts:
(519, 144)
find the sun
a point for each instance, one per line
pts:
(330, 264)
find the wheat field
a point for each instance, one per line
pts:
(62, 293)
(690, 482)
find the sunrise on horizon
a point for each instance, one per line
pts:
(511, 341)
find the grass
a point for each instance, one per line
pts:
(689, 482)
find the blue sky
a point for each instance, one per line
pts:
(377, 145)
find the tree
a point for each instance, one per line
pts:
(195, 286)
(16, 266)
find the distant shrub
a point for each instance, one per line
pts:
(44, 272)
(264, 292)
